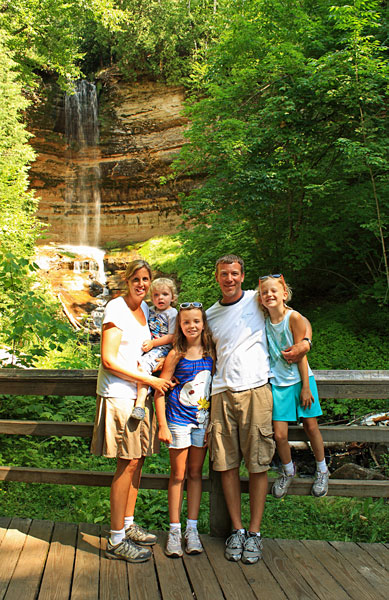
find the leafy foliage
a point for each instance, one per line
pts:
(288, 130)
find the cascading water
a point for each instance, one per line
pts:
(82, 195)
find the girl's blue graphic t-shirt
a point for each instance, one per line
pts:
(188, 402)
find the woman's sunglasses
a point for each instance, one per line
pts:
(191, 305)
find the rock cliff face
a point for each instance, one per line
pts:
(141, 130)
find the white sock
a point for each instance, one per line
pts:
(117, 536)
(289, 468)
(174, 526)
(128, 521)
(191, 523)
(252, 533)
(321, 466)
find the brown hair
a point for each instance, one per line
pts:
(286, 287)
(180, 343)
(165, 282)
(228, 259)
(134, 266)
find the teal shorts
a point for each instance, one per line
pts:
(287, 404)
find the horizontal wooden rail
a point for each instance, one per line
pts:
(336, 433)
(332, 384)
(300, 486)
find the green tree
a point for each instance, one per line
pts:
(276, 129)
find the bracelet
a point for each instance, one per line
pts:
(309, 342)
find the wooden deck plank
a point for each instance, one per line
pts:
(261, 580)
(27, 575)
(59, 560)
(143, 581)
(285, 573)
(4, 523)
(113, 574)
(345, 574)
(366, 566)
(172, 578)
(229, 574)
(378, 551)
(87, 563)
(11, 547)
(317, 577)
(202, 577)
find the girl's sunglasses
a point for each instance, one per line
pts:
(274, 275)
(191, 305)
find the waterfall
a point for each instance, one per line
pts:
(82, 195)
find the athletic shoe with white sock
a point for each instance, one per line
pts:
(234, 545)
(193, 544)
(252, 549)
(140, 536)
(127, 550)
(281, 485)
(320, 485)
(173, 545)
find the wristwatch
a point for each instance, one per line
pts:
(309, 342)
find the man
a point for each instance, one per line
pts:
(241, 407)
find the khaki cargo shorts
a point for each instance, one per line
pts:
(116, 435)
(241, 426)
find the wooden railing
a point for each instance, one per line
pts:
(331, 384)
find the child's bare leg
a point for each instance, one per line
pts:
(194, 483)
(138, 412)
(312, 430)
(178, 460)
(320, 484)
(281, 438)
(281, 485)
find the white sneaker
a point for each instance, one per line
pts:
(173, 545)
(320, 485)
(281, 485)
(193, 544)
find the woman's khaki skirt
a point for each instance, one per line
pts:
(117, 435)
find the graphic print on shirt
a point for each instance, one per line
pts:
(196, 393)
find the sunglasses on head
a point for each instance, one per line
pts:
(273, 276)
(191, 305)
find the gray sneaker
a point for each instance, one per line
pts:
(127, 550)
(193, 544)
(234, 545)
(140, 536)
(173, 545)
(252, 549)
(320, 485)
(138, 413)
(281, 485)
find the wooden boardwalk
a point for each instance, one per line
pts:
(62, 561)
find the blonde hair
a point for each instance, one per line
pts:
(286, 287)
(165, 282)
(180, 343)
(134, 266)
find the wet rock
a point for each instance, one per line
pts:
(95, 289)
(353, 471)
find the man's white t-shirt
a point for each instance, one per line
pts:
(238, 331)
(130, 349)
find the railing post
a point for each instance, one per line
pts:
(219, 518)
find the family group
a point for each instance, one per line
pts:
(231, 379)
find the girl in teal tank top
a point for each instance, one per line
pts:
(294, 389)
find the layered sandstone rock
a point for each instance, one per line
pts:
(141, 131)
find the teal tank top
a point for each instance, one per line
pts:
(280, 337)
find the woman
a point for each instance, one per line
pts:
(115, 435)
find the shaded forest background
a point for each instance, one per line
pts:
(288, 109)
